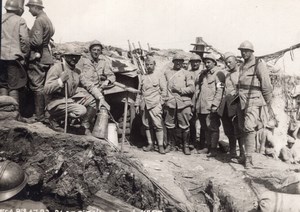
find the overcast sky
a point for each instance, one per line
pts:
(270, 24)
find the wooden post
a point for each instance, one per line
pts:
(124, 121)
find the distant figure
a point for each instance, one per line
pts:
(186, 63)
(150, 101)
(14, 51)
(40, 59)
(265, 140)
(287, 153)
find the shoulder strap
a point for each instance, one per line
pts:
(252, 81)
(4, 20)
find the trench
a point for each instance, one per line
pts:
(65, 170)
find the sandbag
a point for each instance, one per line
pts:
(279, 202)
(291, 184)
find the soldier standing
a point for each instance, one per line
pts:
(210, 84)
(40, 56)
(153, 89)
(195, 70)
(14, 49)
(180, 87)
(228, 111)
(255, 91)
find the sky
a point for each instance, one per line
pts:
(271, 25)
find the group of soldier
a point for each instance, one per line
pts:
(239, 96)
(26, 54)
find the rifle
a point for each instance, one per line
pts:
(140, 64)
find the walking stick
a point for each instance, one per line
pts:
(66, 98)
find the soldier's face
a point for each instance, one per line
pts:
(96, 51)
(195, 64)
(150, 66)
(231, 63)
(33, 10)
(209, 64)
(246, 54)
(177, 64)
(72, 60)
(185, 65)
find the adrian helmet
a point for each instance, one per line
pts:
(246, 45)
(12, 5)
(12, 179)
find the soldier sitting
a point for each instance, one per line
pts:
(287, 153)
(63, 76)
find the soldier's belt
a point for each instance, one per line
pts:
(247, 87)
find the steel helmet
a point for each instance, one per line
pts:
(71, 50)
(195, 57)
(38, 3)
(12, 5)
(178, 57)
(95, 43)
(228, 54)
(246, 45)
(12, 179)
(210, 57)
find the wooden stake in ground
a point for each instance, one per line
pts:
(124, 121)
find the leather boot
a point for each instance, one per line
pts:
(39, 103)
(241, 147)
(232, 146)
(87, 119)
(160, 140)
(248, 162)
(185, 141)
(171, 133)
(150, 142)
(3, 92)
(54, 125)
(214, 136)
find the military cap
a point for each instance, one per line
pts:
(210, 57)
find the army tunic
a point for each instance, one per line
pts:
(210, 84)
(227, 110)
(255, 90)
(153, 91)
(179, 103)
(14, 49)
(55, 91)
(40, 36)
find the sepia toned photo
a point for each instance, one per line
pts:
(149, 106)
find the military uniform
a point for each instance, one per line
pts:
(14, 50)
(255, 90)
(55, 92)
(40, 36)
(288, 155)
(178, 104)
(228, 112)
(210, 83)
(153, 89)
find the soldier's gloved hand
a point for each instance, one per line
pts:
(64, 76)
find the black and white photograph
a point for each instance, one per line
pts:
(150, 106)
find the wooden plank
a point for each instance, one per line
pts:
(108, 203)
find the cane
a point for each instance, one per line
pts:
(66, 98)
